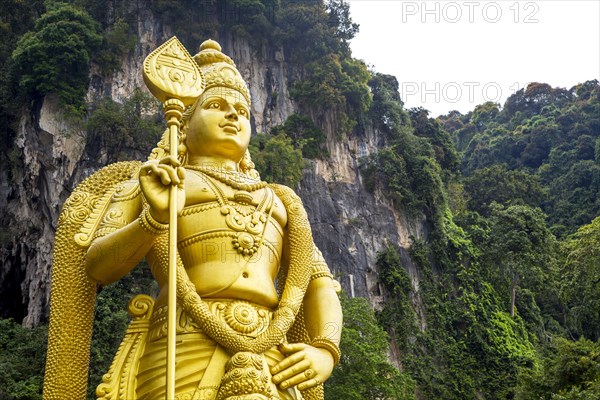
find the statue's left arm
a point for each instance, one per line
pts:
(308, 365)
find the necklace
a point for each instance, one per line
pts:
(231, 179)
(247, 221)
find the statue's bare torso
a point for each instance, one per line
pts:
(207, 245)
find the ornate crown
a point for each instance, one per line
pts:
(219, 69)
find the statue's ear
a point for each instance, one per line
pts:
(247, 166)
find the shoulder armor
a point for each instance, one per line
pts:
(113, 187)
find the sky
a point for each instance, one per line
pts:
(454, 55)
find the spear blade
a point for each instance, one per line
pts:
(170, 72)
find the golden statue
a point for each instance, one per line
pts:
(257, 314)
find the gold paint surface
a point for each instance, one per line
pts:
(253, 291)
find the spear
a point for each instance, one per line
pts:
(173, 77)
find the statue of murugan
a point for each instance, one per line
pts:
(257, 314)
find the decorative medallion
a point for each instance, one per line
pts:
(242, 317)
(245, 244)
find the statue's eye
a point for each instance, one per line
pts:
(243, 112)
(215, 105)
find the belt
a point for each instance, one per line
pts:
(244, 317)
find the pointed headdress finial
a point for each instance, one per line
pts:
(218, 69)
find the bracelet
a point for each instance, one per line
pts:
(321, 274)
(151, 225)
(327, 344)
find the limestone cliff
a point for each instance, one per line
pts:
(350, 225)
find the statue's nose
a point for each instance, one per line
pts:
(231, 113)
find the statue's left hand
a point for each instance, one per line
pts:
(304, 365)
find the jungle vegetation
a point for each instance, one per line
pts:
(508, 304)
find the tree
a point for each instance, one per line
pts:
(116, 130)
(305, 135)
(335, 83)
(520, 248)
(570, 371)
(364, 371)
(339, 19)
(54, 58)
(22, 356)
(276, 158)
(17, 18)
(501, 185)
(534, 97)
(445, 152)
(386, 110)
(580, 284)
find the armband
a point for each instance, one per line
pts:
(321, 274)
(319, 268)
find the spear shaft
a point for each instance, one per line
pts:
(174, 78)
(173, 109)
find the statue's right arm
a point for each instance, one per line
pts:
(112, 256)
(120, 243)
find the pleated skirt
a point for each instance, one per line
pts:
(194, 354)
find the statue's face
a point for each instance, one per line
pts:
(220, 125)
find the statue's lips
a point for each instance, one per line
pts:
(230, 128)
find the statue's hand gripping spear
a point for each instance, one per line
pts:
(173, 77)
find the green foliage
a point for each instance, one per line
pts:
(388, 168)
(315, 37)
(305, 135)
(54, 58)
(440, 140)
(509, 338)
(118, 40)
(364, 371)
(409, 176)
(392, 273)
(386, 111)
(339, 18)
(190, 24)
(397, 315)
(467, 346)
(310, 30)
(335, 83)
(574, 193)
(120, 129)
(519, 250)
(253, 18)
(22, 357)
(570, 371)
(532, 99)
(550, 134)
(406, 170)
(106, 13)
(539, 150)
(503, 186)
(277, 159)
(580, 280)
(17, 18)
(193, 21)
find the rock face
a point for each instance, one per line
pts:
(31, 201)
(349, 224)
